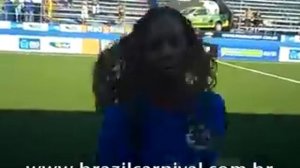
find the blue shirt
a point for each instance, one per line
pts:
(29, 6)
(153, 3)
(163, 134)
(8, 7)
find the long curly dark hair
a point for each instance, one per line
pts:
(118, 72)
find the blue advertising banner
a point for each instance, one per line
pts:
(248, 47)
(290, 39)
(289, 54)
(107, 36)
(294, 54)
(248, 36)
(29, 44)
(248, 54)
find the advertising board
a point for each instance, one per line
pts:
(288, 54)
(35, 26)
(117, 29)
(254, 54)
(290, 39)
(70, 28)
(29, 43)
(91, 46)
(61, 45)
(5, 25)
(106, 44)
(248, 36)
(94, 29)
(9, 43)
(41, 44)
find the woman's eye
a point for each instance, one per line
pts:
(155, 45)
(174, 41)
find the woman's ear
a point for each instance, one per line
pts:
(194, 53)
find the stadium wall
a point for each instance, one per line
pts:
(255, 47)
(81, 39)
(49, 44)
(290, 49)
(54, 38)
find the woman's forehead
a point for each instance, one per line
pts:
(166, 25)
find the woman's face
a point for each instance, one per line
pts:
(166, 45)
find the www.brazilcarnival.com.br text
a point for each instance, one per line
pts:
(129, 165)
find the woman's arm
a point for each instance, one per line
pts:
(213, 113)
(113, 144)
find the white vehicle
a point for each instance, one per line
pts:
(206, 15)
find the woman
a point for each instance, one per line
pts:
(154, 88)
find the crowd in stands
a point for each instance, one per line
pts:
(252, 18)
(28, 11)
(89, 10)
(20, 10)
(94, 9)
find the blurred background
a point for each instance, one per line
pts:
(48, 47)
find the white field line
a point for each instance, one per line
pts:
(260, 72)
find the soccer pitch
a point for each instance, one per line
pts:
(47, 111)
(64, 83)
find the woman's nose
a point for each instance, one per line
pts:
(167, 50)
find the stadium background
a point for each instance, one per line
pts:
(46, 105)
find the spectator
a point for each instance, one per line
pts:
(98, 8)
(94, 7)
(29, 11)
(49, 8)
(153, 3)
(5, 9)
(257, 20)
(8, 10)
(70, 3)
(121, 12)
(84, 12)
(18, 10)
(63, 3)
(66, 3)
(248, 17)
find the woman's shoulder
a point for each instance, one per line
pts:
(211, 103)
(212, 109)
(211, 97)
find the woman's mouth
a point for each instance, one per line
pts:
(169, 69)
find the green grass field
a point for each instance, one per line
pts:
(47, 115)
